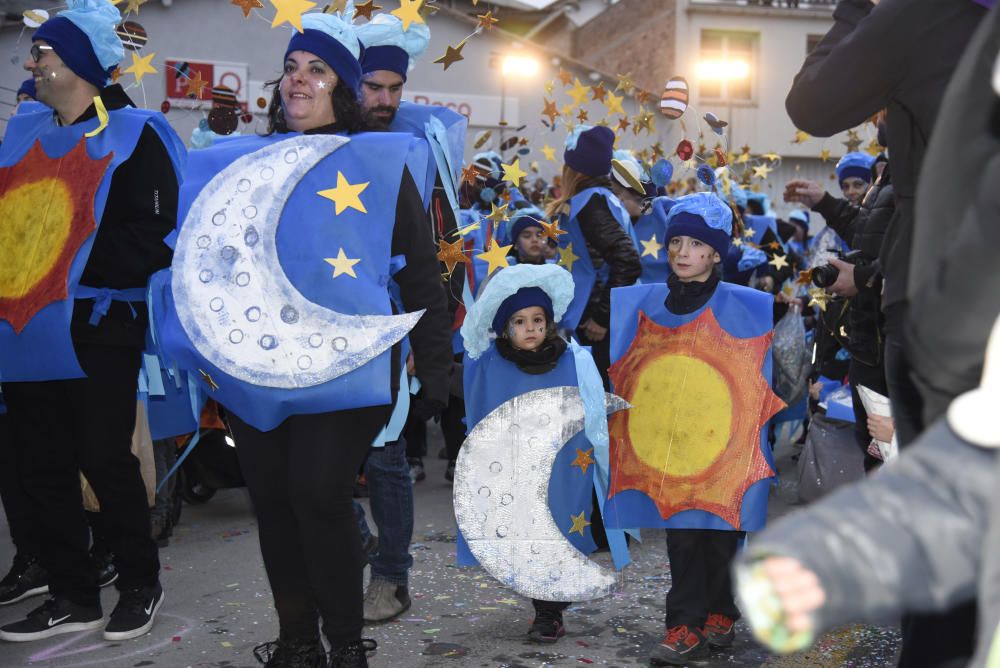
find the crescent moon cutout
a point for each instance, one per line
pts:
(234, 300)
(501, 497)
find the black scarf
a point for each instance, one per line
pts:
(535, 362)
(689, 297)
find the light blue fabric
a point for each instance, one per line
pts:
(98, 19)
(387, 30)
(707, 206)
(335, 27)
(751, 258)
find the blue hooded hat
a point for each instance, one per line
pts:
(856, 165)
(84, 38)
(335, 41)
(389, 47)
(704, 217)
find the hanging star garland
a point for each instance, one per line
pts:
(819, 298)
(345, 195)
(800, 137)
(578, 92)
(290, 12)
(247, 6)
(552, 230)
(496, 256)
(408, 12)
(773, 157)
(452, 54)
(582, 116)
(598, 92)
(824, 155)
(623, 124)
(565, 77)
(550, 110)
(614, 104)
(195, 86)
(141, 66)
(133, 6)
(567, 110)
(342, 264)
(873, 149)
(853, 141)
(487, 21)
(513, 172)
(468, 175)
(549, 152)
(497, 215)
(451, 254)
(625, 83)
(366, 9)
(761, 171)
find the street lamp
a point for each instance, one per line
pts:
(514, 65)
(724, 70)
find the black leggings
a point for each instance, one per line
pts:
(301, 478)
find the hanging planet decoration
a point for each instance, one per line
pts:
(132, 35)
(482, 138)
(706, 175)
(662, 172)
(524, 150)
(261, 103)
(33, 18)
(224, 117)
(720, 157)
(247, 117)
(674, 101)
(165, 107)
(685, 150)
(715, 123)
(509, 143)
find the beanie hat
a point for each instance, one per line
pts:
(523, 298)
(704, 217)
(588, 150)
(855, 165)
(84, 37)
(27, 87)
(389, 47)
(524, 218)
(335, 41)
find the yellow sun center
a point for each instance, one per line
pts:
(36, 222)
(681, 416)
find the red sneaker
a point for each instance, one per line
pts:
(681, 644)
(719, 631)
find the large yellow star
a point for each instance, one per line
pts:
(614, 104)
(779, 261)
(761, 171)
(579, 523)
(567, 257)
(578, 92)
(141, 66)
(625, 83)
(550, 153)
(651, 247)
(342, 264)
(408, 12)
(290, 11)
(583, 459)
(497, 215)
(513, 172)
(345, 194)
(496, 256)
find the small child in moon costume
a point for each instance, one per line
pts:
(537, 445)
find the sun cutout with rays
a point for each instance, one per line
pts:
(46, 214)
(691, 440)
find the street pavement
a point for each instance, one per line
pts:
(218, 604)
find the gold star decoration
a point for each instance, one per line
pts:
(773, 157)
(195, 86)
(408, 12)
(468, 175)
(579, 523)
(290, 12)
(549, 87)
(116, 74)
(614, 104)
(779, 262)
(598, 92)
(642, 96)
(550, 110)
(564, 76)
(774, 245)
(644, 121)
(567, 257)
(824, 155)
(513, 172)
(578, 92)
(345, 195)
(496, 256)
(761, 171)
(550, 153)
(487, 21)
(583, 459)
(748, 233)
(582, 116)
(652, 247)
(133, 6)
(567, 110)
(208, 379)
(623, 124)
(819, 298)
(873, 149)
(853, 141)
(625, 83)
(141, 66)
(552, 231)
(335, 7)
(497, 215)
(365, 9)
(248, 6)
(451, 254)
(342, 264)
(737, 242)
(452, 54)
(800, 137)
(805, 278)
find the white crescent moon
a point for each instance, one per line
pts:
(234, 300)
(501, 497)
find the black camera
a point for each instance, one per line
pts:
(825, 276)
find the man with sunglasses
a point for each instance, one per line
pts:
(70, 366)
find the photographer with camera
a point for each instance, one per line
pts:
(856, 275)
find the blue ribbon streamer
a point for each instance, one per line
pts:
(104, 296)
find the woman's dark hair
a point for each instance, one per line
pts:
(346, 109)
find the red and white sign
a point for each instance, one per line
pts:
(179, 72)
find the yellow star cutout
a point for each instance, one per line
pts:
(651, 247)
(567, 110)
(133, 5)
(496, 215)
(552, 231)
(748, 233)
(819, 298)
(342, 264)
(761, 171)
(487, 20)
(625, 83)
(550, 153)
(408, 12)
(290, 11)
(583, 459)
(496, 256)
(579, 523)
(578, 92)
(513, 172)
(737, 242)
(824, 155)
(614, 104)
(779, 262)
(195, 86)
(800, 137)
(452, 54)
(345, 194)
(141, 66)
(567, 257)
(773, 157)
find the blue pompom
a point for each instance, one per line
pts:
(488, 195)
(662, 172)
(706, 175)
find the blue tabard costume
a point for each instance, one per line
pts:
(584, 274)
(653, 226)
(444, 131)
(741, 312)
(308, 232)
(43, 350)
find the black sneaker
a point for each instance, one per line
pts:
(135, 612)
(449, 473)
(107, 572)
(352, 655)
(55, 616)
(25, 579)
(547, 627)
(286, 653)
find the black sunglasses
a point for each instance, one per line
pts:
(37, 49)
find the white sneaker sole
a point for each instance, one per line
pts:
(44, 589)
(136, 632)
(54, 631)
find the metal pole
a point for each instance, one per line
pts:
(503, 104)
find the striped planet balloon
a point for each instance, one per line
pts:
(674, 101)
(132, 35)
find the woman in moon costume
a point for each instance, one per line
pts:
(525, 476)
(290, 325)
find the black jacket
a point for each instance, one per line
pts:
(608, 244)
(899, 55)
(954, 285)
